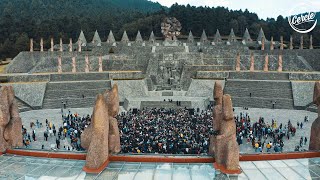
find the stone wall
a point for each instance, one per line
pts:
(202, 88)
(131, 88)
(302, 92)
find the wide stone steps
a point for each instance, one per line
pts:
(256, 92)
(258, 84)
(165, 104)
(262, 102)
(76, 93)
(70, 103)
(73, 85)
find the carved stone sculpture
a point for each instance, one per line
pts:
(280, 63)
(170, 28)
(10, 121)
(226, 148)
(102, 136)
(266, 63)
(251, 62)
(41, 44)
(315, 128)
(238, 63)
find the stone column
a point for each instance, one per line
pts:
(31, 45)
(74, 65)
(280, 63)
(70, 45)
(238, 63)
(59, 65)
(251, 62)
(87, 69)
(100, 63)
(41, 44)
(262, 43)
(266, 63)
(61, 45)
(291, 42)
(281, 42)
(51, 42)
(301, 42)
(271, 44)
(79, 45)
(311, 42)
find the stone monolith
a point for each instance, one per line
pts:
(314, 144)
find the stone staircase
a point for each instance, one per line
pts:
(263, 93)
(76, 94)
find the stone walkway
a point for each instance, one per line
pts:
(280, 115)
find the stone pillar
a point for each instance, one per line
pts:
(41, 44)
(59, 65)
(238, 63)
(61, 45)
(266, 63)
(314, 144)
(51, 42)
(79, 45)
(311, 43)
(262, 43)
(301, 42)
(251, 62)
(291, 42)
(74, 65)
(70, 45)
(271, 44)
(87, 69)
(281, 42)
(31, 45)
(280, 63)
(100, 63)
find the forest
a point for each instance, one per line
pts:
(24, 19)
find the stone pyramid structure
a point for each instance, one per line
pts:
(152, 38)
(232, 36)
(82, 38)
(261, 35)
(246, 36)
(96, 39)
(190, 37)
(217, 36)
(204, 37)
(125, 37)
(139, 37)
(111, 38)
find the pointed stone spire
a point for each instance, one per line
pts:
(261, 35)
(152, 38)
(271, 44)
(190, 37)
(246, 36)
(111, 38)
(238, 62)
(291, 42)
(311, 42)
(96, 39)
(125, 37)
(139, 37)
(266, 63)
(232, 36)
(251, 62)
(82, 38)
(204, 37)
(31, 45)
(217, 36)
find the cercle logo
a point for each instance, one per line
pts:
(302, 22)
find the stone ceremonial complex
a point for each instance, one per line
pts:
(175, 71)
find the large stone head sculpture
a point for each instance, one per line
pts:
(10, 121)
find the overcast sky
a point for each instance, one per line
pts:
(264, 8)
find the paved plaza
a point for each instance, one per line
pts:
(280, 115)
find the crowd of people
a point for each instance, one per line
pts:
(168, 131)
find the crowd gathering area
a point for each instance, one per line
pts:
(168, 131)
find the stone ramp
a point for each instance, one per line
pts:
(263, 93)
(76, 94)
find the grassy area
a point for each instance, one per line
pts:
(2, 68)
